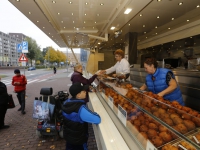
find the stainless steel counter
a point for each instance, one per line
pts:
(188, 80)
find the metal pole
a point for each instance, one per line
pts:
(67, 60)
(48, 57)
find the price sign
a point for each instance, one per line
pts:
(150, 146)
(122, 114)
(110, 101)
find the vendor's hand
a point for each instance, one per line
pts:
(114, 75)
(160, 94)
(102, 71)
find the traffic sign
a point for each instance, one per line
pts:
(23, 58)
(22, 47)
(19, 48)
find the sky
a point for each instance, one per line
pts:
(13, 21)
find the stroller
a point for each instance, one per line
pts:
(52, 126)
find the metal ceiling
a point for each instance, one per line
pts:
(85, 23)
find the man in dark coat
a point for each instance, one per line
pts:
(3, 104)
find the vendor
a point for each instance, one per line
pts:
(161, 81)
(122, 66)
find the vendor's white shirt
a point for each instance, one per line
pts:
(120, 67)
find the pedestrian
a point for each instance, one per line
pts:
(3, 104)
(76, 118)
(77, 77)
(54, 70)
(19, 82)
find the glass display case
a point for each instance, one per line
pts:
(153, 122)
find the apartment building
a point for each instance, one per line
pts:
(8, 48)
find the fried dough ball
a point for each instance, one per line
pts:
(151, 133)
(193, 113)
(136, 122)
(186, 116)
(171, 110)
(162, 128)
(189, 124)
(143, 128)
(174, 115)
(196, 121)
(154, 108)
(157, 114)
(160, 110)
(168, 121)
(164, 115)
(186, 109)
(183, 129)
(177, 120)
(157, 141)
(169, 147)
(165, 136)
(153, 126)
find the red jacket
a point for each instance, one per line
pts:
(22, 83)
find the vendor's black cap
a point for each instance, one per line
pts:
(16, 71)
(77, 88)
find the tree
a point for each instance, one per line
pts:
(51, 55)
(33, 49)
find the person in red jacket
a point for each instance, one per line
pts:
(19, 82)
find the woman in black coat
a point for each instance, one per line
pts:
(3, 104)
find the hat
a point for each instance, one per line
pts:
(16, 71)
(77, 88)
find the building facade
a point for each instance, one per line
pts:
(8, 48)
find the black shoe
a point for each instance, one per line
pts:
(4, 127)
(20, 109)
(23, 112)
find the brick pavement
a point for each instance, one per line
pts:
(22, 132)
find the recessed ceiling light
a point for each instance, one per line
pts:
(73, 21)
(140, 15)
(99, 43)
(64, 27)
(54, 2)
(74, 27)
(84, 22)
(158, 17)
(83, 27)
(70, 2)
(144, 32)
(52, 36)
(129, 24)
(93, 27)
(169, 28)
(159, 0)
(97, 14)
(58, 13)
(72, 14)
(188, 20)
(95, 22)
(198, 6)
(101, 4)
(112, 28)
(143, 25)
(61, 21)
(37, 21)
(85, 14)
(17, 0)
(86, 3)
(191, 37)
(156, 27)
(29, 12)
(127, 11)
(181, 3)
(156, 33)
(146, 37)
(172, 18)
(43, 27)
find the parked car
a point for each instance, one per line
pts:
(31, 68)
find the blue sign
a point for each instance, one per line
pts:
(19, 48)
(22, 47)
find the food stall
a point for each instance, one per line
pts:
(144, 120)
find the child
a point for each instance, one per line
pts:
(76, 118)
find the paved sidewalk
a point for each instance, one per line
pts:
(22, 132)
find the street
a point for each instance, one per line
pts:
(22, 131)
